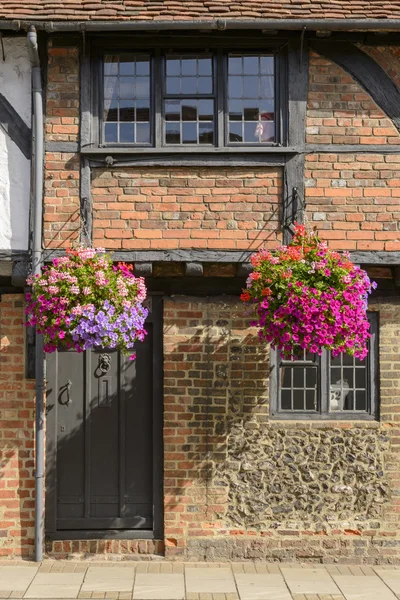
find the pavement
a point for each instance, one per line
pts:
(161, 580)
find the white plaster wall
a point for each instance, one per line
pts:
(15, 85)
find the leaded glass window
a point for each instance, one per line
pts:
(325, 386)
(215, 99)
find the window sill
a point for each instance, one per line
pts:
(145, 150)
(307, 418)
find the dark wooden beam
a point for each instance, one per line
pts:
(86, 207)
(223, 256)
(366, 72)
(16, 128)
(293, 200)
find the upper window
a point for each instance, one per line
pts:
(326, 387)
(190, 99)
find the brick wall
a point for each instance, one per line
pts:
(61, 217)
(353, 199)
(231, 489)
(16, 435)
(340, 111)
(62, 103)
(216, 208)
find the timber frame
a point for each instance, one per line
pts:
(290, 154)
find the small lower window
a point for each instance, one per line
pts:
(326, 387)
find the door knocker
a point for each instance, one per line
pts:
(104, 363)
(66, 389)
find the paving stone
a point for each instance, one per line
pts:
(309, 581)
(16, 578)
(211, 580)
(261, 587)
(118, 579)
(363, 588)
(159, 586)
(391, 578)
(55, 585)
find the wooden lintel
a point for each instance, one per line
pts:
(194, 269)
(144, 269)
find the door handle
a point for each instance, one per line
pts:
(67, 388)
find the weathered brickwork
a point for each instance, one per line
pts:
(62, 103)
(340, 111)
(353, 199)
(61, 205)
(187, 208)
(238, 485)
(103, 548)
(17, 480)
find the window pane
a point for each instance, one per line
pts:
(235, 132)
(206, 133)
(189, 133)
(143, 133)
(251, 81)
(126, 133)
(205, 66)
(348, 384)
(173, 85)
(189, 110)
(126, 98)
(110, 65)
(127, 64)
(298, 400)
(127, 87)
(172, 110)
(189, 75)
(172, 133)
(189, 85)
(193, 118)
(250, 65)
(111, 110)
(204, 85)
(173, 67)
(286, 400)
(206, 110)
(126, 110)
(236, 110)
(189, 66)
(311, 399)
(111, 132)
(298, 377)
(143, 110)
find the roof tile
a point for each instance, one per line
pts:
(200, 9)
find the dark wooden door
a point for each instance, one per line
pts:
(103, 440)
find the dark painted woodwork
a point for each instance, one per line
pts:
(366, 71)
(15, 127)
(104, 451)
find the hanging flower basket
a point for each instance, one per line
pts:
(308, 298)
(84, 301)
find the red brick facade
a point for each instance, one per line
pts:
(230, 479)
(212, 208)
(17, 482)
(216, 423)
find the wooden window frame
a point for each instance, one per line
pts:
(158, 49)
(322, 412)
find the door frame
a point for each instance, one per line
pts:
(51, 532)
